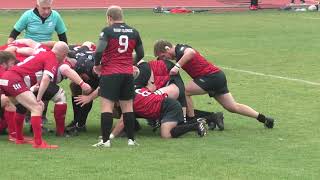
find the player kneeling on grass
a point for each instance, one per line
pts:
(207, 79)
(13, 85)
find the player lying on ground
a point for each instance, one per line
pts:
(207, 79)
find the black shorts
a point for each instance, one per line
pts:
(215, 84)
(50, 92)
(117, 87)
(171, 111)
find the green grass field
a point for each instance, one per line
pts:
(270, 42)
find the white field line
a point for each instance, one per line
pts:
(266, 75)
(272, 76)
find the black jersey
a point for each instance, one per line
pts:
(85, 63)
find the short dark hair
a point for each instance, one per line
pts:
(160, 46)
(6, 56)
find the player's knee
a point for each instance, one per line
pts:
(4, 101)
(36, 109)
(165, 134)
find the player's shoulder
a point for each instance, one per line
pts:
(55, 13)
(28, 12)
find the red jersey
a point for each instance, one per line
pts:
(2, 70)
(117, 57)
(196, 67)
(146, 104)
(160, 73)
(31, 68)
(19, 57)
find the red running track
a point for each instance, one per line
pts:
(88, 4)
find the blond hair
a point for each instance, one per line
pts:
(115, 12)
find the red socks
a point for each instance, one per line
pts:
(19, 125)
(60, 111)
(10, 116)
(37, 130)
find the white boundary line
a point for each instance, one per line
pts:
(266, 75)
(272, 76)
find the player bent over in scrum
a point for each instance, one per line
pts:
(7, 60)
(207, 79)
(15, 83)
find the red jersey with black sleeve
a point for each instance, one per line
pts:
(117, 57)
(160, 72)
(196, 67)
(146, 104)
(32, 68)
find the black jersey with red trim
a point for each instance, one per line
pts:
(117, 57)
(198, 66)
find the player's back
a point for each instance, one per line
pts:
(33, 66)
(117, 57)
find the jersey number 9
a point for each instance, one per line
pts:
(123, 43)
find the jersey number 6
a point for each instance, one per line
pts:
(123, 43)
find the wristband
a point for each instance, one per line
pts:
(177, 65)
(81, 83)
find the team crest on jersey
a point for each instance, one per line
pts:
(50, 24)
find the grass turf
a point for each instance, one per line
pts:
(270, 42)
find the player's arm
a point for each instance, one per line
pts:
(61, 29)
(187, 56)
(43, 85)
(118, 128)
(184, 54)
(13, 35)
(85, 99)
(139, 50)
(49, 44)
(20, 25)
(28, 42)
(102, 45)
(74, 77)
